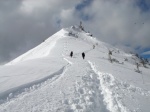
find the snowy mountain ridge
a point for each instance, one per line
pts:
(43, 49)
(47, 79)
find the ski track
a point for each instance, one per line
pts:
(30, 87)
(113, 91)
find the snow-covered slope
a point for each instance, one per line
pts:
(41, 50)
(47, 79)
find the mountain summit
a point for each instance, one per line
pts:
(48, 79)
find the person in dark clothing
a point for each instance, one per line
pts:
(83, 55)
(71, 54)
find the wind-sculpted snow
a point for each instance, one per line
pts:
(41, 50)
(28, 91)
(14, 92)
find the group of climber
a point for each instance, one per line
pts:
(71, 54)
(83, 54)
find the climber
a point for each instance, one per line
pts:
(83, 55)
(71, 54)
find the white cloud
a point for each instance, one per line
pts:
(28, 6)
(52, 6)
(114, 19)
(117, 21)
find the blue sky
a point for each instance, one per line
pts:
(83, 4)
(143, 5)
(80, 7)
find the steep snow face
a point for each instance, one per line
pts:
(41, 50)
(47, 79)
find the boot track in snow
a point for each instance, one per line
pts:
(113, 91)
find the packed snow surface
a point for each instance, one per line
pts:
(47, 79)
